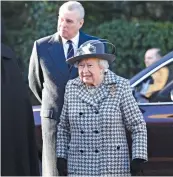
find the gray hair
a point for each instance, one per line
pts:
(103, 63)
(73, 5)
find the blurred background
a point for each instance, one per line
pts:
(132, 26)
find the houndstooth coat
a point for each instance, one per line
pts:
(91, 133)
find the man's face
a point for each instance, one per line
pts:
(69, 23)
(150, 57)
(89, 71)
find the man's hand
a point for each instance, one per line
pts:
(136, 167)
(62, 166)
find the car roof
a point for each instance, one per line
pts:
(151, 67)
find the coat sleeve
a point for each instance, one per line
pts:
(134, 122)
(63, 130)
(35, 76)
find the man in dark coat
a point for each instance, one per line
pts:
(49, 73)
(18, 145)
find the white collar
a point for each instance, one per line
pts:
(74, 40)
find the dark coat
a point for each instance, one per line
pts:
(18, 146)
(49, 73)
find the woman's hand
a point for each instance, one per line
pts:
(136, 167)
(62, 166)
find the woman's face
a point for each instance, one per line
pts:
(90, 71)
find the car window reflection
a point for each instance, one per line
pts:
(157, 87)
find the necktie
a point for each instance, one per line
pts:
(70, 52)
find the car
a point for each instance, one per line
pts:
(158, 114)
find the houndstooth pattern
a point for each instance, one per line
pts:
(91, 133)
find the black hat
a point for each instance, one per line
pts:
(91, 49)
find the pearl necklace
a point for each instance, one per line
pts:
(91, 89)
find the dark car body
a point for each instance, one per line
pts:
(158, 116)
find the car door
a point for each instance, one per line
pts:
(158, 114)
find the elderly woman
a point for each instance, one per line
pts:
(98, 107)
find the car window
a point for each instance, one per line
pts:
(157, 87)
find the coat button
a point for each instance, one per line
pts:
(82, 132)
(80, 113)
(96, 131)
(96, 112)
(118, 147)
(81, 151)
(96, 151)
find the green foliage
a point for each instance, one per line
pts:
(38, 19)
(132, 39)
(31, 20)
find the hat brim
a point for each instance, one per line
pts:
(109, 57)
